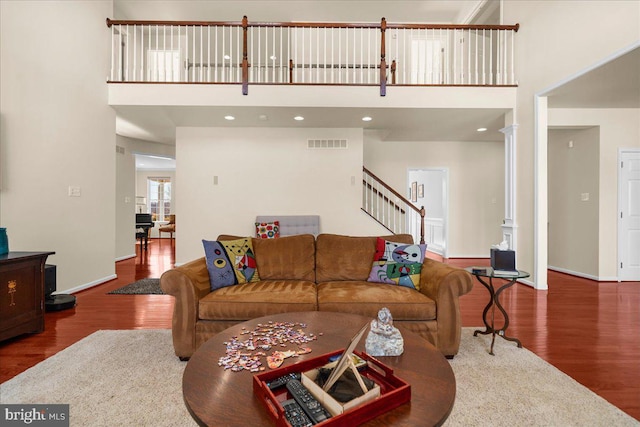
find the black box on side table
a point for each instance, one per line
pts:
(503, 260)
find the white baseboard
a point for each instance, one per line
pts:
(122, 258)
(583, 275)
(90, 284)
(483, 256)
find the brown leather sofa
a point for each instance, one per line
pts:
(327, 273)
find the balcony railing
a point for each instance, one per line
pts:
(312, 53)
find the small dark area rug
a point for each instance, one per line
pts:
(141, 287)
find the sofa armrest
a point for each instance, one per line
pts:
(445, 284)
(188, 284)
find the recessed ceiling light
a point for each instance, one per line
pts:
(263, 117)
(229, 118)
(366, 119)
(298, 118)
(481, 129)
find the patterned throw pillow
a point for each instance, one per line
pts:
(230, 262)
(268, 230)
(397, 263)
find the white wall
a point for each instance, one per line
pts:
(619, 128)
(58, 131)
(556, 40)
(127, 189)
(573, 222)
(265, 171)
(125, 200)
(476, 179)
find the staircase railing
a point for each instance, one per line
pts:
(389, 208)
(312, 53)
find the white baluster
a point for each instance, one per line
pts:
(332, 70)
(113, 52)
(317, 54)
(513, 71)
(119, 53)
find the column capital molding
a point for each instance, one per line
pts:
(509, 129)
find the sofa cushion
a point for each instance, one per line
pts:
(348, 258)
(251, 300)
(219, 265)
(397, 263)
(366, 299)
(268, 230)
(289, 257)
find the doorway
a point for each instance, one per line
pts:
(432, 186)
(629, 215)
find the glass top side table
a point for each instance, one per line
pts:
(510, 279)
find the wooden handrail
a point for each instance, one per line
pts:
(391, 190)
(420, 211)
(515, 27)
(377, 192)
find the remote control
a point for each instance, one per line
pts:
(283, 380)
(314, 410)
(295, 415)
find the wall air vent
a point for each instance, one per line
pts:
(119, 150)
(327, 144)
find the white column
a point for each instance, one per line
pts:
(509, 227)
(540, 220)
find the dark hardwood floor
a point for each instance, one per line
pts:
(589, 330)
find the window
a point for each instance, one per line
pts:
(159, 191)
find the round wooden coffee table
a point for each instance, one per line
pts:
(218, 397)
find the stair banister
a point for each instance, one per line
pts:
(406, 205)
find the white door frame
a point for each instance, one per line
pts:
(445, 204)
(621, 249)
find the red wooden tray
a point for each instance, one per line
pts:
(393, 391)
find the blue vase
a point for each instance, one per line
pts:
(4, 241)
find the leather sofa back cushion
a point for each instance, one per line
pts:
(347, 258)
(286, 258)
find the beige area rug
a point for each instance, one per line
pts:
(132, 378)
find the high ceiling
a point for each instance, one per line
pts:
(402, 11)
(615, 84)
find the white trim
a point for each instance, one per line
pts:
(483, 256)
(90, 284)
(540, 198)
(528, 283)
(586, 70)
(540, 255)
(621, 277)
(122, 258)
(583, 275)
(509, 225)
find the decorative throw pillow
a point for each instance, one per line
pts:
(243, 259)
(268, 230)
(219, 265)
(397, 263)
(230, 262)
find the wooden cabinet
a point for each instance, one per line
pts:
(22, 293)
